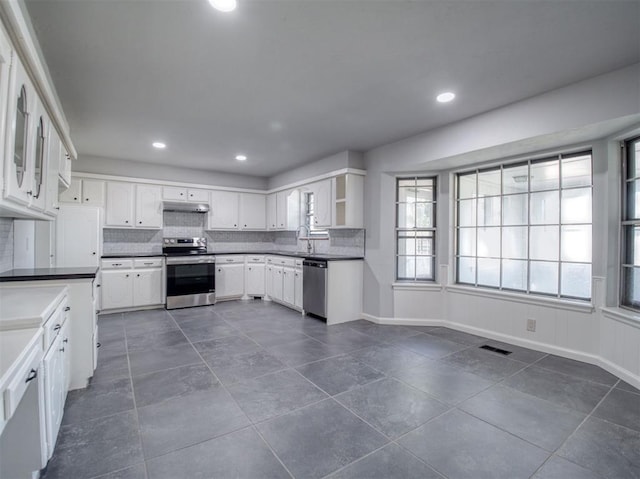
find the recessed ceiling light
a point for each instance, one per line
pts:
(224, 5)
(159, 145)
(445, 97)
(241, 157)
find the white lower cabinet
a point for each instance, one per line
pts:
(255, 276)
(127, 283)
(117, 289)
(297, 302)
(288, 285)
(56, 367)
(284, 281)
(229, 277)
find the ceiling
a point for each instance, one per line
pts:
(287, 82)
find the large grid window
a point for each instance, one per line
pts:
(527, 226)
(415, 228)
(630, 281)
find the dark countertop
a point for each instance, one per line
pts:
(39, 274)
(132, 255)
(293, 254)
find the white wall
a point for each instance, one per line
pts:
(583, 115)
(138, 169)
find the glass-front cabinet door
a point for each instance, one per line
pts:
(38, 191)
(5, 72)
(18, 170)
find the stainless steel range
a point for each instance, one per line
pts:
(191, 278)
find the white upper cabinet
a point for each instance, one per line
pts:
(5, 73)
(119, 206)
(253, 210)
(272, 211)
(40, 151)
(148, 206)
(322, 202)
(198, 196)
(133, 206)
(87, 192)
(195, 195)
(53, 155)
(21, 105)
(223, 210)
(172, 193)
(348, 201)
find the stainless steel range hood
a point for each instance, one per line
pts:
(185, 207)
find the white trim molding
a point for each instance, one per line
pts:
(525, 343)
(578, 306)
(622, 315)
(411, 286)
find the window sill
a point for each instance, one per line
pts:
(415, 286)
(581, 307)
(622, 315)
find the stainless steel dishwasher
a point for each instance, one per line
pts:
(314, 287)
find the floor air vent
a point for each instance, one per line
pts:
(504, 352)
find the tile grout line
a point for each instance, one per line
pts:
(251, 422)
(587, 417)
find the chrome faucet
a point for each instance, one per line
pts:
(308, 237)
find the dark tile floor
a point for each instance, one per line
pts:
(254, 390)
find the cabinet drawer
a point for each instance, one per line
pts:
(148, 262)
(54, 324)
(117, 263)
(231, 259)
(284, 261)
(255, 259)
(299, 263)
(19, 384)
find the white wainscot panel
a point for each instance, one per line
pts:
(461, 308)
(607, 338)
(546, 324)
(582, 331)
(629, 345)
(418, 304)
(500, 316)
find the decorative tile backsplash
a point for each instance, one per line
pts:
(128, 241)
(181, 224)
(6, 244)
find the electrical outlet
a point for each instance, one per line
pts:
(531, 325)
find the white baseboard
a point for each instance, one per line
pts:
(605, 364)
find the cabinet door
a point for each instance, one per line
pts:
(255, 274)
(117, 289)
(147, 287)
(298, 287)
(223, 210)
(93, 192)
(174, 194)
(64, 164)
(78, 236)
(198, 196)
(66, 362)
(53, 364)
(5, 72)
(268, 286)
(119, 208)
(38, 145)
(252, 211)
(53, 156)
(322, 203)
(148, 206)
(73, 194)
(277, 283)
(272, 211)
(17, 165)
(288, 285)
